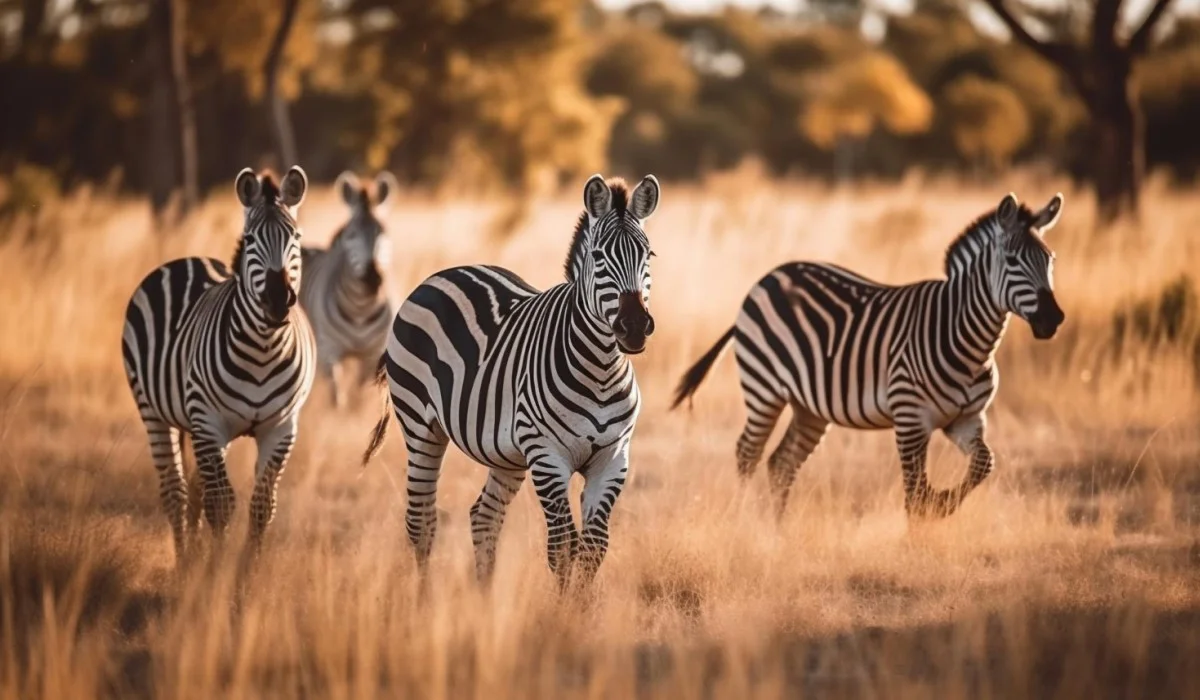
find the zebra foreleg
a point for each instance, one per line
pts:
(803, 435)
(912, 441)
(332, 370)
(552, 481)
(219, 498)
(969, 434)
(605, 480)
(274, 448)
(487, 517)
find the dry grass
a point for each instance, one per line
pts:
(1072, 573)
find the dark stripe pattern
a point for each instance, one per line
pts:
(344, 293)
(839, 348)
(216, 353)
(523, 381)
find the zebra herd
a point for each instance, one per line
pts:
(540, 382)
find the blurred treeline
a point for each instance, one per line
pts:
(519, 94)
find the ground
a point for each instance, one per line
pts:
(1073, 572)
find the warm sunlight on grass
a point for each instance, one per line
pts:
(1073, 572)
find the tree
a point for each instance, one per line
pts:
(173, 124)
(285, 140)
(1101, 70)
(987, 119)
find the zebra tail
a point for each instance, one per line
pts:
(696, 374)
(380, 432)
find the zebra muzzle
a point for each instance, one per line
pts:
(278, 295)
(633, 323)
(1048, 317)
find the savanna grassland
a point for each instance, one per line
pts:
(1073, 572)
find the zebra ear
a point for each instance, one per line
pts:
(248, 187)
(386, 187)
(293, 187)
(645, 198)
(349, 187)
(1008, 210)
(597, 198)
(1046, 219)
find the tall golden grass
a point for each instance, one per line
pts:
(1074, 572)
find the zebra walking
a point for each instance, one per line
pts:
(842, 349)
(532, 381)
(217, 353)
(343, 293)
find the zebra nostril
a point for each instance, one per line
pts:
(649, 325)
(619, 326)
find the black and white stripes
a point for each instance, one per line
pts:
(842, 349)
(219, 353)
(344, 293)
(527, 381)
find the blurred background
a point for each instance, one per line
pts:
(170, 98)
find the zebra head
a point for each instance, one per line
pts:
(1026, 274)
(365, 242)
(610, 258)
(268, 257)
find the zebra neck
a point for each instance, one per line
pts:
(593, 347)
(352, 291)
(977, 322)
(250, 322)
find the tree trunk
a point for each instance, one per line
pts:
(185, 108)
(162, 159)
(1117, 134)
(285, 139)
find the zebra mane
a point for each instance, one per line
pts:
(270, 193)
(963, 247)
(620, 203)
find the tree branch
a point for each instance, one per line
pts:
(1104, 24)
(1062, 56)
(1052, 52)
(1140, 41)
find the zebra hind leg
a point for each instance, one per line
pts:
(165, 451)
(487, 517)
(761, 416)
(426, 446)
(803, 435)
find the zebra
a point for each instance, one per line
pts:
(343, 293)
(843, 349)
(523, 380)
(219, 352)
